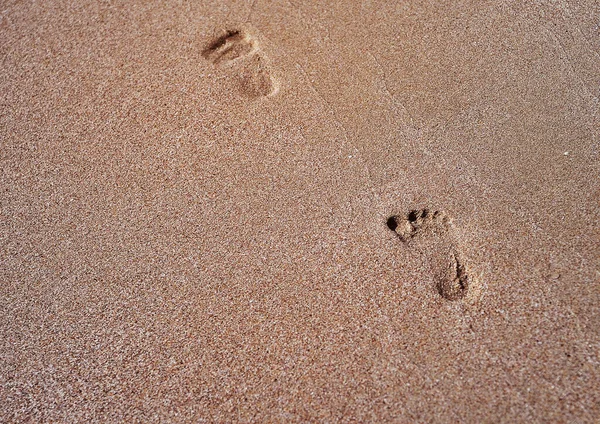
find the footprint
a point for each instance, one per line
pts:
(432, 233)
(234, 45)
(241, 50)
(256, 79)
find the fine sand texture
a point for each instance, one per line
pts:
(300, 211)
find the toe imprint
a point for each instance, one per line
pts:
(417, 222)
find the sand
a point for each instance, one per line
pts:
(295, 211)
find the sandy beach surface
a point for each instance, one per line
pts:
(300, 211)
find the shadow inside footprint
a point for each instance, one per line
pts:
(234, 45)
(432, 233)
